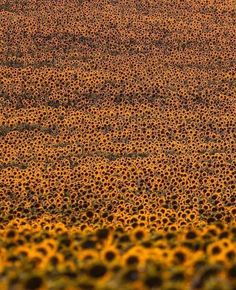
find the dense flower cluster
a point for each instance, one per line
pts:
(117, 145)
(48, 255)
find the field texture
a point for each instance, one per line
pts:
(117, 145)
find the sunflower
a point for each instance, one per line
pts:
(136, 255)
(110, 255)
